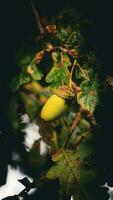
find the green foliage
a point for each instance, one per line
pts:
(88, 97)
(24, 60)
(28, 73)
(58, 76)
(68, 34)
(70, 137)
(31, 105)
(82, 73)
(34, 72)
(61, 59)
(19, 80)
(73, 172)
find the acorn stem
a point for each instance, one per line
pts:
(71, 73)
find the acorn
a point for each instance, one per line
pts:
(53, 108)
(56, 105)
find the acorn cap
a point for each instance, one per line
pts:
(65, 92)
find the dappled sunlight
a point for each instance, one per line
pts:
(13, 186)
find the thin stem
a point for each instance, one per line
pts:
(72, 128)
(37, 18)
(72, 70)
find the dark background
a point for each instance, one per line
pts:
(17, 22)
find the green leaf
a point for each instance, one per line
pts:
(63, 34)
(31, 72)
(19, 80)
(56, 58)
(61, 59)
(34, 72)
(24, 56)
(69, 37)
(66, 60)
(58, 76)
(25, 60)
(88, 97)
(73, 173)
(31, 104)
(82, 73)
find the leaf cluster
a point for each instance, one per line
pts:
(61, 64)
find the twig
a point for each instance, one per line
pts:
(76, 87)
(74, 124)
(34, 184)
(72, 70)
(62, 49)
(61, 59)
(37, 18)
(91, 118)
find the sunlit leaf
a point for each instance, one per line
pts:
(58, 76)
(34, 72)
(88, 97)
(61, 59)
(65, 60)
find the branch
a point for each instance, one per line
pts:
(74, 125)
(72, 52)
(71, 73)
(37, 18)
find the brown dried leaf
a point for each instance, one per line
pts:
(39, 56)
(51, 28)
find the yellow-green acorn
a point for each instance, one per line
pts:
(53, 108)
